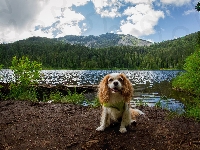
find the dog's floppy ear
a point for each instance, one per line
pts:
(103, 92)
(127, 90)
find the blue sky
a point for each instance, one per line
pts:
(153, 20)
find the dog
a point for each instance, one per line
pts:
(114, 93)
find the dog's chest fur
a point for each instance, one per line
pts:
(115, 99)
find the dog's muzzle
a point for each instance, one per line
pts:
(115, 89)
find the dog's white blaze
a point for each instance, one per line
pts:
(114, 75)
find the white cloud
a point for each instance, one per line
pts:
(188, 12)
(168, 12)
(140, 20)
(107, 8)
(62, 22)
(15, 18)
(19, 18)
(59, 20)
(175, 2)
(140, 1)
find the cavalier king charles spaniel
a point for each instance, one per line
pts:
(115, 92)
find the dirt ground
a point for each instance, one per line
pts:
(28, 125)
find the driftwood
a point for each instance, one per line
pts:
(77, 88)
(71, 87)
(47, 89)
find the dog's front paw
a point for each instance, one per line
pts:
(122, 130)
(100, 128)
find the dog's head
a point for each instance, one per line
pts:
(115, 83)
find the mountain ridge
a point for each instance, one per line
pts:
(105, 40)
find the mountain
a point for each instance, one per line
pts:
(105, 40)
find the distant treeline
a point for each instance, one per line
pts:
(55, 54)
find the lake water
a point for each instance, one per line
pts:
(151, 87)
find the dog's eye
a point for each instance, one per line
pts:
(110, 80)
(120, 79)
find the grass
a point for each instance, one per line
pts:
(140, 102)
(158, 104)
(75, 98)
(71, 97)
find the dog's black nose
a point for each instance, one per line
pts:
(115, 83)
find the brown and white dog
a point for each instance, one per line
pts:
(115, 93)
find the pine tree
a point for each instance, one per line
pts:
(197, 7)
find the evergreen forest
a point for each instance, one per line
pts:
(55, 54)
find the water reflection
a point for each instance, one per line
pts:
(151, 87)
(158, 94)
(88, 77)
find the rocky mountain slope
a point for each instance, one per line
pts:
(105, 40)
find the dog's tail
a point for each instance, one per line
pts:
(135, 113)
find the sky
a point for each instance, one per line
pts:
(152, 20)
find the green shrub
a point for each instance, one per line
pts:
(193, 109)
(190, 80)
(27, 74)
(193, 112)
